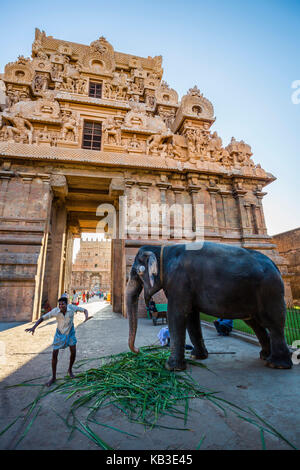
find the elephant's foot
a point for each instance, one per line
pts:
(283, 362)
(175, 365)
(199, 353)
(264, 354)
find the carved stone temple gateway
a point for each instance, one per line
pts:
(91, 268)
(81, 125)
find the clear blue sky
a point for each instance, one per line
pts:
(243, 55)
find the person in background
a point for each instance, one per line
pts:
(46, 307)
(223, 326)
(75, 300)
(65, 294)
(164, 336)
(152, 308)
(83, 297)
(87, 296)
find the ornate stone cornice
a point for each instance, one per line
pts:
(239, 192)
(144, 184)
(130, 183)
(260, 194)
(225, 192)
(213, 189)
(163, 186)
(6, 174)
(110, 159)
(194, 188)
(178, 189)
(106, 103)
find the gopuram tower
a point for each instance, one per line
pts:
(82, 125)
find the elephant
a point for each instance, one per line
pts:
(216, 279)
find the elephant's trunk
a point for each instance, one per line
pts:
(133, 290)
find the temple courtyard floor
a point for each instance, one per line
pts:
(235, 371)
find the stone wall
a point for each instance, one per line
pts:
(25, 202)
(93, 260)
(288, 245)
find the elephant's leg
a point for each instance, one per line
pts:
(177, 319)
(195, 333)
(280, 357)
(263, 337)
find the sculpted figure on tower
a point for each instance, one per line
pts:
(16, 128)
(151, 118)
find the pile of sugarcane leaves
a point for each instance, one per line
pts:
(140, 387)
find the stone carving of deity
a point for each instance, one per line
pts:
(190, 140)
(112, 132)
(134, 144)
(69, 126)
(57, 71)
(16, 128)
(157, 143)
(40, 83)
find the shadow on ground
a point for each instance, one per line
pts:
(235, 371)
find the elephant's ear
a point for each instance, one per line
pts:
(152, 265)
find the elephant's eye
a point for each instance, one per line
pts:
(141, 269)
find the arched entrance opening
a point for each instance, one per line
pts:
(91, 264)
(74, 220)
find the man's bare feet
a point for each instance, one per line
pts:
(52, 381)
(71, 375)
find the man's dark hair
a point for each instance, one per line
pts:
(63, 299)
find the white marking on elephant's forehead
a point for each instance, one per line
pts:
(193, 246)
(141, 269)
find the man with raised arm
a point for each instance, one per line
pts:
(65, 332)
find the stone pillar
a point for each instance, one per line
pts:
(42, 260)
(71, 279)
(238, 194)
(117, 189)
(263, 228)
(178, 192)
(56, 260)
(254, 221)
(163, 186)
(118, 272)
(247, 207)
(213, 190)
(193, 194)
(58, 232)
(146, 201)
(129, 184)
(194, 191)
(68, 262)
(5, 176)
(129, 189)
(40, 278)
(225, 194)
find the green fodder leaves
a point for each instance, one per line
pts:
(141, 388)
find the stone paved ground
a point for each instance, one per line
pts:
(240, 378)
